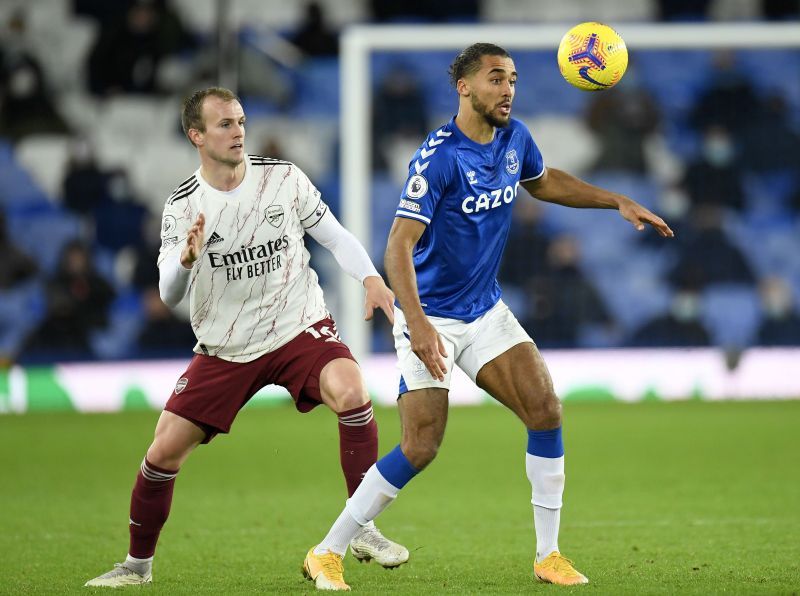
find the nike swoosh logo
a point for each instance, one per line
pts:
(133, 523)
(584, 74)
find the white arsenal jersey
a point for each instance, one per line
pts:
(251, 289)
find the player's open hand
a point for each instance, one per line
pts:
(378, 296)
(639, 216)
(427, 344)
(194, 242)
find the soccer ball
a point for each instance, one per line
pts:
(592, 56)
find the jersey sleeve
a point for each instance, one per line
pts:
(311, 207)
(428, 176)
(532, 162)
(175, 224)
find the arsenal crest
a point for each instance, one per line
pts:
(274, 215)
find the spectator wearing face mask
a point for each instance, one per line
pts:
(715, 176)
(770, 141)
(25, 106)
(624, 119)
(78, 299)
(729, 100)
(781, 323)
(680, 327)
(706, 255)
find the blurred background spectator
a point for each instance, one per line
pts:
(15, 266)
(26, 106)
(561, 301)
(78, 299)
(624, 119)
(132, 44)
(163, 334)
(313, 36)
(728, 97)
(706, 255)
(781, 324)
(399, 120)
(715, 177)
(679, 327)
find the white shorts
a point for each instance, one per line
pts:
(469, 345)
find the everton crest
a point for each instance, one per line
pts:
(512, 162)
(274, 214)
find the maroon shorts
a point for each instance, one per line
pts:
(212, 390)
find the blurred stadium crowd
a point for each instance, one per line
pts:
(90, 147)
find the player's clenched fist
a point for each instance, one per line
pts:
(194, 242)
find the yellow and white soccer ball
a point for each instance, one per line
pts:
(592, 56)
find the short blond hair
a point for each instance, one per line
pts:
(192, 112)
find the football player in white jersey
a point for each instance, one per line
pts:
(232, 238)
(442, 258)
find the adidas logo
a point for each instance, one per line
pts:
(215, 239)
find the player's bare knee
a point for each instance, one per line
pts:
(169, 451)
(350, 397)
(543, 413)
(421, 447)
(420, 452)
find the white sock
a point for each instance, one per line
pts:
(546, 523)
(372, 496)
(546, 475)
(141, 566)
(339, 536)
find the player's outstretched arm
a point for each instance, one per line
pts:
(557, 186)
(354, 260)
(426, 342)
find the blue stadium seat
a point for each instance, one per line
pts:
(771, 244)
(21, 308)
(542, 89)
(6, 152)
(665, 75)
(433, 79)
(774, 70)
(42, 234)
(640, 188)
(731, 312)
(18, 191)
(118, 339)
(633, 294)
(317, 89)
(385, 195)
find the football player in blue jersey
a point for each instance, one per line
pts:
(442, 258)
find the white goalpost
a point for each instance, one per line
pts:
(359, 42)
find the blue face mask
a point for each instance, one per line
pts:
(718, 151)
(685, 307)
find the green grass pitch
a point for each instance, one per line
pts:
(662, 498)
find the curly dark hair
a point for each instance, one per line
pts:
(468, 60)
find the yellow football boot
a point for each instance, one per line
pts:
(555, 568)
(326, 571)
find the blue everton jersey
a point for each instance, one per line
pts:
(464, 191)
